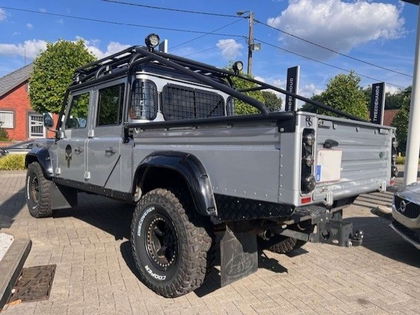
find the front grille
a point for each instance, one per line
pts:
(412, 210)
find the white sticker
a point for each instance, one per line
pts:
(328, 168)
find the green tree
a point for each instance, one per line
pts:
(242, 108)
(344, 93)
(401, 123)
(272, 101)
(53, 72)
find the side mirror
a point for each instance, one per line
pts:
(48, 121)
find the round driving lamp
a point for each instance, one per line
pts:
(309, 139)
(238, 66)
(308, 184)
(152, 41)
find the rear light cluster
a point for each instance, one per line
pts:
(307, 177)
(394, 169)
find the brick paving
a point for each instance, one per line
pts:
(95, 273)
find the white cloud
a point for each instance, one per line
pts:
(340, 25)
(111, 48)
(309, 90)
(229, 48)
(2, 15)
(29, 26)
(29, 48)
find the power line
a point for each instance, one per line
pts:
(172, 9)
(325, 63)
(333, 50)
(200, 51)
(208, 33)
(120, 23)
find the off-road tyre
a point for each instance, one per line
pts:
(179, 265)
(38, 192)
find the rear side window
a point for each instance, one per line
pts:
(180, 102)
(78, 114)
(144, 100)
(110, 104)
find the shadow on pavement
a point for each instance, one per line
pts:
(380, 238)
(109, 215)
(11, 207)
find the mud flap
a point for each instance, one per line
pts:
(238, 255)
(62, 197)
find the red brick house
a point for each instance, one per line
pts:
(16, 114)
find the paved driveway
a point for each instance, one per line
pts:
(95, 273)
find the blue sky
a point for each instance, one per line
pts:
(378, 32)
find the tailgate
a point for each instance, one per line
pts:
(352, 157)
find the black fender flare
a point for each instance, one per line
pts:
(190, 168)
(42, 156)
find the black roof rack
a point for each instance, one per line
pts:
(125, 61)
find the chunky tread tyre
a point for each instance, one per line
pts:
(40, 208)
(193, 243)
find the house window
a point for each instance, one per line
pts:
(6, 119)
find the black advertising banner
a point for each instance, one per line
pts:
(292, 84)
(377, 103)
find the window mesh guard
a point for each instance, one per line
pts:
(181, 102)
(143, 100)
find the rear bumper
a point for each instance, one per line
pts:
(411, 236)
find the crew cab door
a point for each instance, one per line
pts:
(71, 152)
(105, 136)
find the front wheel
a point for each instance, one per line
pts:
(38, 192)
(169, 243)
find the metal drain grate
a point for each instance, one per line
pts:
(34, 284)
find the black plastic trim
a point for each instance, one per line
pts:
(190, 168)
(99, 190)
(230, 208)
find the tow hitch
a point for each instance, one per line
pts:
(329, 227)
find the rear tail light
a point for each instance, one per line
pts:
(307, 178)
(394, 168)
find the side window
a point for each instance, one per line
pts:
(110, 103)
(181, 102)
(144, 100)
(78, 114)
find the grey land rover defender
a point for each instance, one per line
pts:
(209, 186)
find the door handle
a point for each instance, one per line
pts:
(110, 150)
(78, 150)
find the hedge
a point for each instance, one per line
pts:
(12, 162)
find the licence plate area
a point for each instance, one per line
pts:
(328, 166)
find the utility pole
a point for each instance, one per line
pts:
(250, 42)
(413, 134)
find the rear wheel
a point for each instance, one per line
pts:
(38, 192)
(169, 244)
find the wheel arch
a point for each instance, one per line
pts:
(42, 156)
(169, 167)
